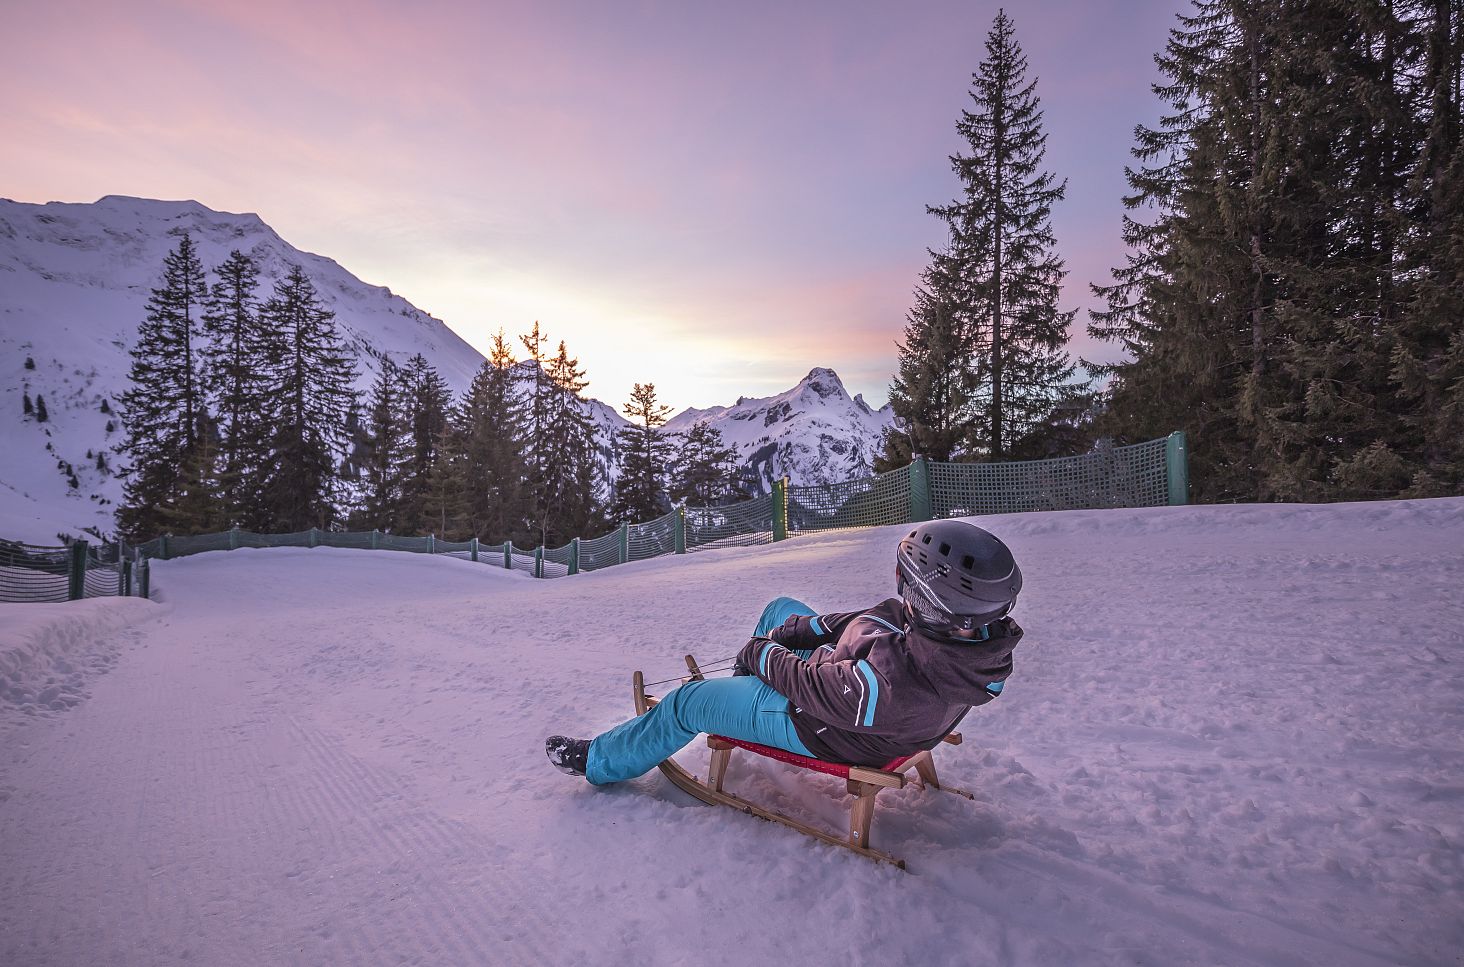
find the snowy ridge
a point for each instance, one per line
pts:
(815, 433)
(1237, 741)
(74, 282)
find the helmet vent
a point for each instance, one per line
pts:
(925, 539)
(968, 562)
(945, 550)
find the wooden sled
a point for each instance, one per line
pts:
(864, 783)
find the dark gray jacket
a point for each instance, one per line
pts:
(874, 687)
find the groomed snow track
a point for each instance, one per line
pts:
(1233, 737)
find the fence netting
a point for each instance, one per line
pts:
(735, 525)
(654, 538)
(29, 572)
(1141, 475)
(871, 502)
(602, 551)
(1131, 476)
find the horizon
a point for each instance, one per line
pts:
(713, 203)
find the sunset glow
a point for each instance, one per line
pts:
(714, 199)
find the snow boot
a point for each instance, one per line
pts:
(570, 756)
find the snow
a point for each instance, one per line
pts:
(1235, 736)
(49, 653)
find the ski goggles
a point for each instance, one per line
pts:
(934, 619)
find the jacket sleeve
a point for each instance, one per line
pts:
(846, 694)
(810, 631)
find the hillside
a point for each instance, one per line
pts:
(74, 281)
(1235, 739)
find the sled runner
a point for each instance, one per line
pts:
(864, 783)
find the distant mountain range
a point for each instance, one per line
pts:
(74, 280)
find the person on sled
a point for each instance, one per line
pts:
(859, 687)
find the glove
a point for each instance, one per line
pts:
(742, 666)
(785, 632)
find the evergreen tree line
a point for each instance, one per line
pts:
(519, 458)
(241, 412)
(1293, 295)
(1293, 291)
(238, 407)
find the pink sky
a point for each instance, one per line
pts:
(715, 198)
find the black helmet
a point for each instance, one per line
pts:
(954, 576)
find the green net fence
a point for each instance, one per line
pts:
(1132, 476)
(871, 502)
(735, 525)
(654, 538)
(1141, 475)
(29, 572)
(600, 552)
(36, 573)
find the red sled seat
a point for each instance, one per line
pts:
(863, 782)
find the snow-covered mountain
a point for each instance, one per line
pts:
(74, 281)
(814, 433)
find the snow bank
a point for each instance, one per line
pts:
(1235, 735)
(50, 652)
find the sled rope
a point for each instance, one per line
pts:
(708, 667)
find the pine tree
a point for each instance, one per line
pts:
(312, 384)
(934, 394)
(1269, 306)
(538, 402)
(491, 424)
(573, 478)
(444, 503)
(387, 451)
(1003, 276)
(1428, 361)
(30, 363)
(41, 415)
(705, 471)
(640, 492)
(164, 404)
(237, 380)
(428, 400)
(27, 407)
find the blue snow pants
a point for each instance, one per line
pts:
(740, 708)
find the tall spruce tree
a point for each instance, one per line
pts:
(539, 402)
(491, 423)
(640, 491)
(1000, 269)
(934, 394)
(428, 400)
(573, 479)
(705, 471)
(387, 452)
(164, 403)
(1428, 361)
(1268, 304)
(237, 381)
(312, 383)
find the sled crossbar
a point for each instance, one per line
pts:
(862, 782)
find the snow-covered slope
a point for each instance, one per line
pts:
(814, 433)
(74, 279)
(1237, 742)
